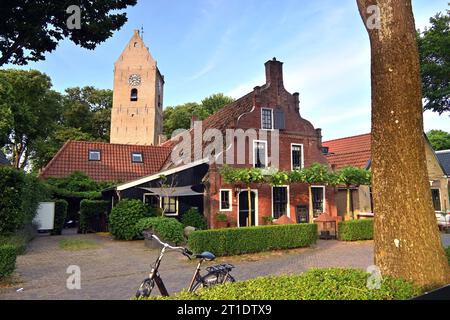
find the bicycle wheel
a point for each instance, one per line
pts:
(145, 289)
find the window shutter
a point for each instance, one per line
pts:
(279, 120)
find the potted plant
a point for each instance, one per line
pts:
(222, 220)
(268, 220)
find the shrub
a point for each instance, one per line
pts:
(20, 239)
(193, 218)
(355, 230)
(124, 217)
(221, 217)
(7, 260)
(315, 284)
(91, 212)
(60, 217)
(224, 242)
(447, 252)
(167, 229)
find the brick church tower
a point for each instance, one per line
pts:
(137, 112)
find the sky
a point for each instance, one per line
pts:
(211, 46)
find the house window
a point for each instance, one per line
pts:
(267, 119)
(134, 95)
(225, 200)
(94, 155)
(260, 154)
(318, 200)
(279, 201)
(279, 121)
(436, 195)
(169, 206)
(297, 156)
(136, 157)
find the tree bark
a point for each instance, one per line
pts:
(407, 240)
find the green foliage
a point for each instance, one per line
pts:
(317, 173)
(20, 239)
(356, 230)
(434, 49)
(167, 229)
(439, 139)
(193, 218)
(77, 244)
(349, 176)
(315, 284)
(91, 212)
(179, 117)
(242, 175)
(235, 241)
(46, 25)
(447, 252)
(279, 178)
(8, 255)
(221, 217)
(21, 194)
(60, 217)
(124, 217)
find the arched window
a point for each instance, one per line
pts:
(134, 95)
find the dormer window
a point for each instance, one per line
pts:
(134, 95)
(94, 155)
(267, 119)
(136, 157)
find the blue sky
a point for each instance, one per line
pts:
(209, 46)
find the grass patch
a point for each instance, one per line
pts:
(77, 244)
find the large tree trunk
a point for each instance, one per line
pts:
(407, 240)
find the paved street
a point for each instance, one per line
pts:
(115, 269)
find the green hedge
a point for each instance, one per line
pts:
(167, 229)
(124, 217)
(91, 212)
(315, 284)
(8, 257)
(234, 241)
(60, 217)
(193, 218)
(355, 230)
(447, 252)
(20, 239)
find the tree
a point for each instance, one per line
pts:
(317, 173)
(434, 49)
(34, 109)
(179, 117)
(6, 118)
(352, 176)
(29, 29)
(440, 140)
(407, 240)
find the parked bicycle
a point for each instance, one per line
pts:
(218, 274)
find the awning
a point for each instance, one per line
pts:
(174, 191)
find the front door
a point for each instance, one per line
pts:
(244, 210)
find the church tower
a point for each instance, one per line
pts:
(137, 111)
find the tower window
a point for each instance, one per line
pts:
(134, 95)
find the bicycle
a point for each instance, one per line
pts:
(218, 274)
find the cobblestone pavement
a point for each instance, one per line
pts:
(115, 269)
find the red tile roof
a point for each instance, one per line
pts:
(115, 164)
(351, 151)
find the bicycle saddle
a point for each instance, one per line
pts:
(208, 256)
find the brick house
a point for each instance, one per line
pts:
(356, 151)
(275, 136)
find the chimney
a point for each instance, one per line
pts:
(319, 137)
(162, 138)
(274, 72)
(297, 102)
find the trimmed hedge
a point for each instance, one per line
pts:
(8, 255)
(193, 218)
(60, 217)
(167, 229)
(235, 241)
(124, 217)
(91, 212)
(447, 252)
(356, 230)
(315, 284)
(20, 239)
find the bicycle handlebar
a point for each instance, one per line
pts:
(183, 250)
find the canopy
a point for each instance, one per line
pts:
(174, 191)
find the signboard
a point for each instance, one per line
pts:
(45, 216)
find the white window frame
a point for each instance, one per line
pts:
(262, 122)
(303, 155)
(266, 153)
(137, 154)
(440, 198)
(230, 197)
(176, 206)
(324, 197)
(288, 209)
(97, 152)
